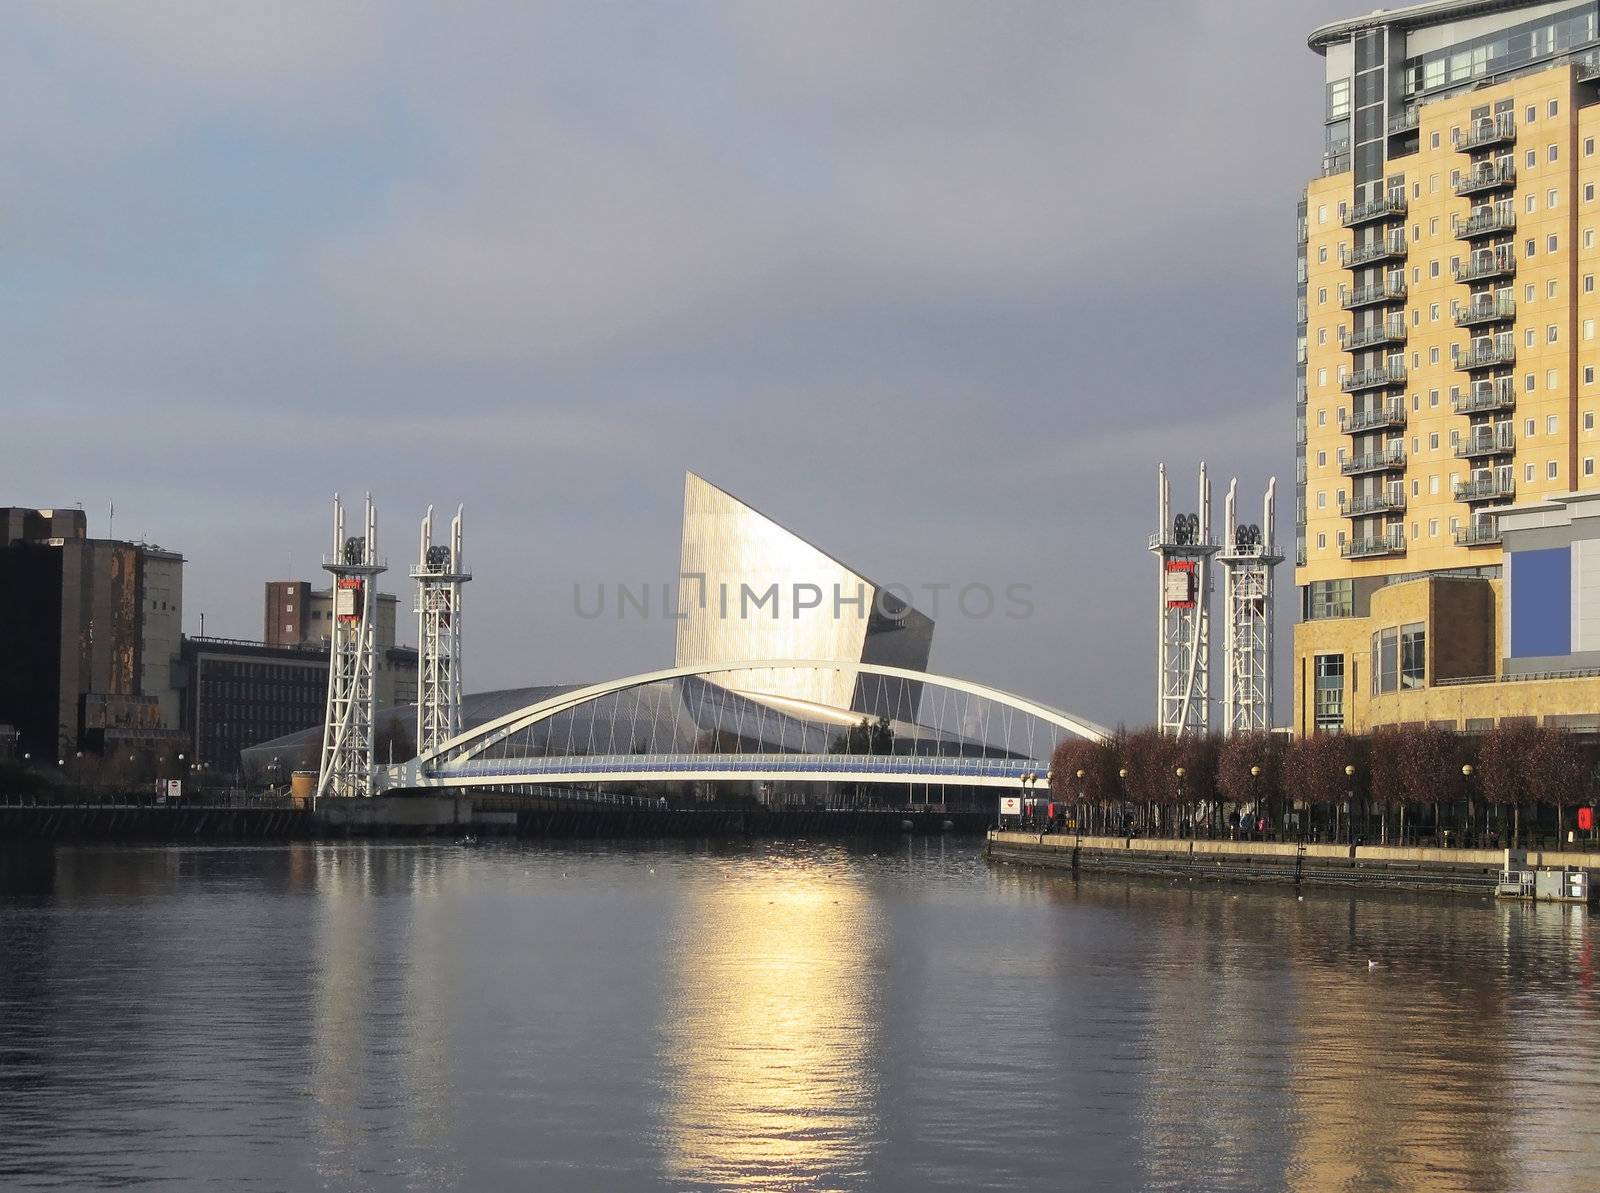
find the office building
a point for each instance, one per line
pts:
(1447, 350)
(89, 633)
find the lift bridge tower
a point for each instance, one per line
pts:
(1248, 558)
(352, 661)
(1183, 617)
(439, 574)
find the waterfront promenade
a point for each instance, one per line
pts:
(1389, 867)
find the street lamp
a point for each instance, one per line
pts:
(1122, 791)
(1466, 784)
(1349, 795)
(1255, 797)
(1179, 772)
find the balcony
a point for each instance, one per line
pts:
(1390, 331)
(1586, 68)
(1385, 461)
(1392, 289)
(1389, 544)
(1390, 206)
(1488, 397)
(1487, 308)
(1487, 178)
(1385, 248)
(1379, 378)
(1501, 219)
(1501, 263)
(1482, 535)
(1335, 161)
(1487, 354)
(1392, 415)
(1376, 503)
(1487, 441)
(1491, 130)
(1405, 121)
(1485, 488)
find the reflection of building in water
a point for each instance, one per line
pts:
(770, 1031)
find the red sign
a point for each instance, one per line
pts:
(1586, 819)
(1179, 587)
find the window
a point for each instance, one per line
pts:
(1551, 379)
(1433, 269)
(1533, 158)
(1322, 459)
(1322, 376)
(1322, 296)
(1555, 106)
(1532, 248)
(1433, 356)
(1385, 661)
(1532, 114)
(1530, 204)
(1588, 283)
(1322, 214)
(1322, 539)
(1330, 598)
(1588, 147)
(1588, 238)
(1550, 243)
(1588, 374)
(1588, 420)
(1588, 329)
(1433, 141)
(1322, 499)
(1322, 418)
(1433, 226)
(1433, 312)
(1550, 199)
(1528, 337)
(1550, 288)
(1415, 488)
(1588, 187)
(1322, 336)
(1433, 397)
(1433, 528)
(1527, 294)
(1588, 466)
(1527, 473)
(1551, 470)
(1322, 255)
(1329, 706)
(1528, 426)
(1551, 331)
(1433, 441)
(1530, 383)
(1553, 153)
(1552, 424)
(1413, 655)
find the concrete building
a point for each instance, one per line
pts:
(1447, 351)
(297, 614)
(89, 632)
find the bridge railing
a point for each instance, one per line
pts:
(921, 765)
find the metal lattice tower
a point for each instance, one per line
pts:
(439, 575)
(1249, 557)
(1183, 664)
(352, 700)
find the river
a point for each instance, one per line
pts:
(896, 1015)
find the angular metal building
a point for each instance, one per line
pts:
(750, 589)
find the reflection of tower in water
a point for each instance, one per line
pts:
(770, 1030)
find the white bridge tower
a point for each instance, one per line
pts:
(1249, 557)
(352, 700)
(439, 574)
(1183, 666)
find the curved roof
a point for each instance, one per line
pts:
(1410, 17)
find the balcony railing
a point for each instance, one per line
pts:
(1487, 441)
(1392, 415)
(1385, 248)
(1587, 66)
(1388, 206)
(1491, 130)
(1477, 536)
(1487, 178)
(1481, 266)
(1487, 397)
(1485, 488)
(1377, 503)
(1392, 289)
(1380, 377)
(1390, 331)
(1389, 544)
(1487, 221)
(1487, 308)
(1405, 121)
(1384, 461)
(1486, 354)
(1335, 161)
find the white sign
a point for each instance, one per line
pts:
(1011, 805)
(174, 788)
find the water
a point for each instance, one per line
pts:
(899, 1016)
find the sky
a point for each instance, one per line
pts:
(934, 285)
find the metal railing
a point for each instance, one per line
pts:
(1389, 290)
(1486, 354)
(1394, 544)
(1376, 503)
(1484, 488)
(1391, 204)
(1487, 308)
(1383, 375)
(1393, 415)
(1481, 266)
(1487, 178)
(1335, 161)
(1491, 130)
(1383, 461)
(1477, 443)
(1477, 536)
(1406, 120)
(919, 764)
(1382, 249)
(1499, 394)
(1390, 331)
(1488, 221)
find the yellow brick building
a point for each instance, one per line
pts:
(1447, 350)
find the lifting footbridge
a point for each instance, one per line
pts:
(753, 722)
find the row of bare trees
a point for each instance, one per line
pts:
(1406, 784)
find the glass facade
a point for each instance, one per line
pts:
(1329, 693)
(1503, 50)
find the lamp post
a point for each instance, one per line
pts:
(1255, 798)
(1466, 788)
(1122, 792)
(1178, 771)
(1349, 796)
(1077, 815)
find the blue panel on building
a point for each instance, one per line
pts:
(1541, 602)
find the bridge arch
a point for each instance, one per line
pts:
(733, 721)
